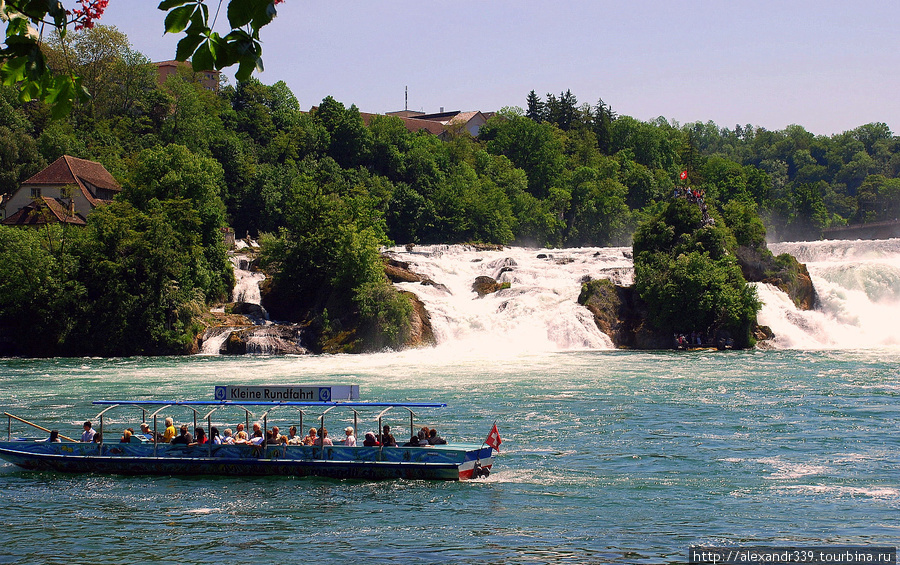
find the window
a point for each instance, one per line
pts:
(36, 192)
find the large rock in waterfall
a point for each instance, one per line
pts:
(272, 340)
(484, 285)
(621, 314)
(783, 271)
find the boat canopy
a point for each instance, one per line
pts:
(356, 404)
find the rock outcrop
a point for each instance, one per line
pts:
(783, 271)
(272, 340)
(485, 285)
(421, 334)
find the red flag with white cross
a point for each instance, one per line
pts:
(493, 438)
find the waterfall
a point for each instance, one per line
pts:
(858, 283)
(246, 285)
(214, 339)
(539, 310)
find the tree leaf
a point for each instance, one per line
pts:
(167, 5)
(178, 19)
(203, 59)
(187, 46)
(240, 13)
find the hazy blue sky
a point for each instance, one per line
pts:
(827, 65)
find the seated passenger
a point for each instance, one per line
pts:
(277, 437)
(413, 442)
(370, 440)
(214, 436)
(423, 438)
(146, 432)
(98, 437)
(88, 435)
(54, 437)
(292, 437)
(241, 436)
(434, 439)
(387, 439)
(170, 432)
(184, 438)
(257, 437)
(311, 438)
(199, 437)
(350, 440)
(324, 439)
(126, 437)
(228, 439)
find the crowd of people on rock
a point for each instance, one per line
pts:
(694, 339)
(316, 437)
(695, 196)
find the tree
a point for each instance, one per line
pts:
(687, 274)
(22, 62)
(535, 108)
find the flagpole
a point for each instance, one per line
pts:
(483, 443)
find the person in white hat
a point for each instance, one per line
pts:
(350, 440)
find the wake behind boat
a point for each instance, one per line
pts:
(451, 461)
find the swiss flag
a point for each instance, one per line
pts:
(683, 175)
(493, 438)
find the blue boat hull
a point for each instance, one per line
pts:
(370, 463)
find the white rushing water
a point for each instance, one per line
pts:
(538, 312)
(858, 284)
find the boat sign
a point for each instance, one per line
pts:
(329, 393)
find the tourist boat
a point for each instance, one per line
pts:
(452, 461)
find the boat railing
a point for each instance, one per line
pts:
(10, 418)
(156, 407)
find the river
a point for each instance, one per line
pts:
(607, 456)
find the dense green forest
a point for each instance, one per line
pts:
(324, 189)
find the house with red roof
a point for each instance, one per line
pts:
(438, 124)
(66, 191)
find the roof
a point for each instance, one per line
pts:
(412, 124)
(72, 170)
(33, 214)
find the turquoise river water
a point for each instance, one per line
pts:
(608, 457)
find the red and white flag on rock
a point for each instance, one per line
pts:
(493, 438)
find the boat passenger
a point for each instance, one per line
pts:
(423, 438)
(292, 437)
(170, 433)
(241, 436)
(98, 437)
(185, 438)
(257, 438)
(434, 439)
(370, 440)
(277, 436)
(126, 437)
(88, 435)
(311, 438)
(387, 439)
(54, 437)
(146, 432)
(350, 440)
(199, 436)
(413, 442)
(214, 435)
(324, 439)
(228, 439)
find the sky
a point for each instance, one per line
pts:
(827, 65)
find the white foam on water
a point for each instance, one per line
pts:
(538, 312)
(858, 285)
